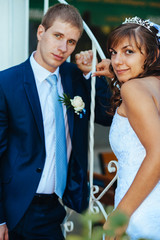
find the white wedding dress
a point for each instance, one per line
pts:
(145, 222)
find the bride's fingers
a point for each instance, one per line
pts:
(98, 73)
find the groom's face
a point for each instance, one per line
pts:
(56, 44)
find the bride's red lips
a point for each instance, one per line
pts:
(121, 71)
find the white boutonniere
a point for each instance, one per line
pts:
(76, 103)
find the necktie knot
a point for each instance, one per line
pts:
(52, 79)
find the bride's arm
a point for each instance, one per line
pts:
(140, 109)
(144, 117)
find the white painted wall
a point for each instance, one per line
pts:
(14, 32)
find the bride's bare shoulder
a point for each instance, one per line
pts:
(142, 86)
(137, 89)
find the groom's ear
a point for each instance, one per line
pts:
(40, 32)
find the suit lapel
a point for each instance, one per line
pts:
(68, 89)
(33, 98)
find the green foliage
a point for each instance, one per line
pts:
(117, 219)
(66, 100)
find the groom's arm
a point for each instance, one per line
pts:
(3, 147)
(3, 142)
(103, 92)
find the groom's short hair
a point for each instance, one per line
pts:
(64, 12)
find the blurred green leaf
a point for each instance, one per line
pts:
(118, 219)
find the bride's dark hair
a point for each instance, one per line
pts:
(143, 37)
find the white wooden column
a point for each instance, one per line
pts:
(14, 32)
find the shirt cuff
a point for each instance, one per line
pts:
(88, 75)
(2, 223)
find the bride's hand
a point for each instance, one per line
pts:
(103, 69)
(117, 222)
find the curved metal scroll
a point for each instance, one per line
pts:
(68, 225)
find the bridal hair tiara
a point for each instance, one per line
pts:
(144, 23)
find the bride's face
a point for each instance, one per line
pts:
(127, 59)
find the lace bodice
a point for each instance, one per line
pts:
(145, 222)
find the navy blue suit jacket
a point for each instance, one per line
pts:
(22, 146)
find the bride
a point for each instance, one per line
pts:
(135, 131)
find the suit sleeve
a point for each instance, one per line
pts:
(3, 143)
(102, 100)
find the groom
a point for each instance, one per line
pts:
(30, 134)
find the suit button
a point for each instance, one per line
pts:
(39, 170)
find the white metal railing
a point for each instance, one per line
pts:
(95, 205)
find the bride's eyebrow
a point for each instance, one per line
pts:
(124, 47)
(111, 49)
(127, 46)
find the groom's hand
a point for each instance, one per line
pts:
(84, 61)
(4, 232)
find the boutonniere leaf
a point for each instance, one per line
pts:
(76, 103)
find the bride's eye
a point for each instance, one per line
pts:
(112, 52)
(129, 51)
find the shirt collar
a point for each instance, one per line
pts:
(40, 72)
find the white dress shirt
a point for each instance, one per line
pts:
(47, 181)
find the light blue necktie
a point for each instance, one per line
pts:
(60, 138)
